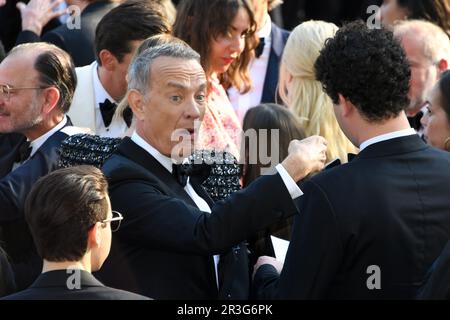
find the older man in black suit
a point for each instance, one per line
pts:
(175, 243)
(37, 82)
(70, 218)
(371, 228)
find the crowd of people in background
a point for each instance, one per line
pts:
(155, 148)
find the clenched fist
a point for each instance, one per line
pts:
(305, 157)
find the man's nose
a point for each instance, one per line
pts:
(193, 110)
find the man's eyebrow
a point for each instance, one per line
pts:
(202, 86)
(176, 85)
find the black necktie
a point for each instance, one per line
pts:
(259, 49)
(23, 152)
(181, 172)
(107, 109)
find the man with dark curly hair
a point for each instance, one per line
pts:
(371, 228)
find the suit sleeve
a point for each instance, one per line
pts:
(163, 222)
(54, 38)
(314, 254)
(15, 186)
(27, 36)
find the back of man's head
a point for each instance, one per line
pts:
(367, 67)
(62, 207)
(55, 68)
(132, 20)
(433, 41)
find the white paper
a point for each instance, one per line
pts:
(280, 247)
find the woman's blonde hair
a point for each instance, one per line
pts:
(301, 92)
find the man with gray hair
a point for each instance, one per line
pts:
(264, 68)
(175, 242)
(427, 47)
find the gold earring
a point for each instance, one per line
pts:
(447, 148)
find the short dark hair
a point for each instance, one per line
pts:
(62, 207)
(444, 88)
(55, 68)
(368, 67)
(131, 20)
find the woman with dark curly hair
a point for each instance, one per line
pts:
(435, 11)
(436, 121)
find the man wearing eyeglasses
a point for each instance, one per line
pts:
(70, 218)
(37, 82)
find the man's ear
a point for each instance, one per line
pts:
(51, 97)
(107, 59)
(443, 65)
(136, 101)
(347, 106)
(95, 235)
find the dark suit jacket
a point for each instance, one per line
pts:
(437, 283)
(279, 39)
(52, 285)
(388, 207)
(165, 244)
(14, 188)
(79, 43)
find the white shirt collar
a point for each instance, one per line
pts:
(387, 136)
(38, 142)
(266, 29)
(166, 162)
(100, 93)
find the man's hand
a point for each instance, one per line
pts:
(305, 157)
(267, 260)
(37, 13)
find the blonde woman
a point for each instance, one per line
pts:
(303, 94)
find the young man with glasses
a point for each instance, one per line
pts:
(37, 83)
(70, 218)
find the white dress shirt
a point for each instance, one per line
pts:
(387, 136)
(117, 127)
(258, 70)
(166, 162)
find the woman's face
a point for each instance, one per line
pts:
(391, 11)
(226, 48)
(435, 122)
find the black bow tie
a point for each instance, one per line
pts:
(24, 151)
(259, 49)
(181, 172)
(351, 156)
(107, 109)
(127, 115)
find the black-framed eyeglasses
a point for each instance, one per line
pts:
(115, 221)
(5, 90)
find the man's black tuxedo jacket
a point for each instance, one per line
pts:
(164, 248)
(14, 188)
(79, 43)
(279, 39)
(388, 208)
(52, 285)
